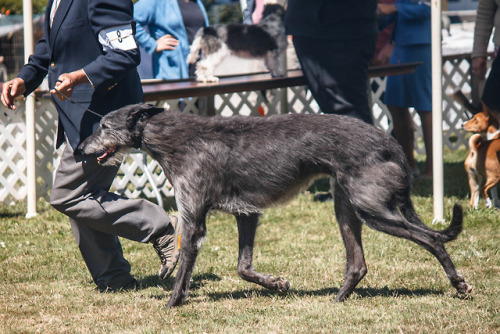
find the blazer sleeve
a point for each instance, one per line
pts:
(107, 69)
(36, 69)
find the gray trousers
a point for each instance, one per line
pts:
(98, 217)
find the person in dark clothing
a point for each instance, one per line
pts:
(334, 42)
(90, 56)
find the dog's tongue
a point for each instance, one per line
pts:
(109, 151)
(102, 157)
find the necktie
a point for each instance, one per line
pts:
(53, 10)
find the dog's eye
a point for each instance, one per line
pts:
(104, 126)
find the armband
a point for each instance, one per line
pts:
(120, 37)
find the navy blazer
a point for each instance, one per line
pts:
(71, 44)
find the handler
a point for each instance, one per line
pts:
(90, 55)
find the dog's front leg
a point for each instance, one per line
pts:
(274, 63)
(247, 225)
(193, 232)
(474, 185)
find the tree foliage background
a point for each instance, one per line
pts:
(16, 6)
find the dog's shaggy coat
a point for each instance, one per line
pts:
(266, 40)
(241, 165)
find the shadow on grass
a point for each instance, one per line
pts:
(362, 292)
(196, 282)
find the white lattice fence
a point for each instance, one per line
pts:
(132, 180)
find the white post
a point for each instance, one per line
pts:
(30, 114)
(437, 110)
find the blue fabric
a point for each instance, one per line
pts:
(163, 17)
(413, 23)
(71, 44)
(412, 35)
(414, 89)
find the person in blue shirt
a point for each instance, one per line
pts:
(165, 30)
(412, 38)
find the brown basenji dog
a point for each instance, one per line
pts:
(483, 160)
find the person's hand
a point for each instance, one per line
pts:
(11, 90)
(167, 42)
(384, 55)
(385, 9)
(479, 67)
(66, 82)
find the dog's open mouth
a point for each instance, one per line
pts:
(110, 151)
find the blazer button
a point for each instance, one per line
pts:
(52, 64)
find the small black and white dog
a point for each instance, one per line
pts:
(265, 39)
(241, 165)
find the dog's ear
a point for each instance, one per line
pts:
(141, 112)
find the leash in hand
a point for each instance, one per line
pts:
(78, 104)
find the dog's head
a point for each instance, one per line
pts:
(119, 131)
(481, 121)
(273, 9)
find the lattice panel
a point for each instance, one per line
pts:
(12, 153)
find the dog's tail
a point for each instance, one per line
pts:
(406, 224)
(448, 234)
(475, 141)
(194, 50)
(464, 101)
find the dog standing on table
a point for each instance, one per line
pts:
(265, 39)
(241, 165)
(483, 160)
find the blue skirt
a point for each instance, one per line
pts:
(414, 89)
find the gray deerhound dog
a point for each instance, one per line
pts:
(241, 165)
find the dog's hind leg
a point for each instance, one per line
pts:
(247, 225)
(350, 229)
(490, 186)
(433, 241)
(494, 196)
(194, 230)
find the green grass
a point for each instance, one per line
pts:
(45, 286)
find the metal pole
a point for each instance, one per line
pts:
(30, 114)
(437, 110)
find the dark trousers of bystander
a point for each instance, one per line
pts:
(336, 73)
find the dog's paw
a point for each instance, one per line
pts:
(277, 74)
(282, 285)
(463, 287)
(204, 79)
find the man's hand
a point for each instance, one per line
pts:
(479, 67)
(386, 9)
(167, 42)
(67, 81)
(11, 90)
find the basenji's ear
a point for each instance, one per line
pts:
(141, 113)
(491, 113)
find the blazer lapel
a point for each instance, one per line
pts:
(62, 10)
